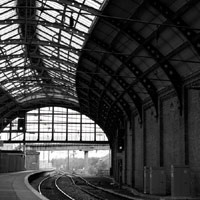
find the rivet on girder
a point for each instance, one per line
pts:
(188, 33)
(166, 66)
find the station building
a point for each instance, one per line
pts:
(132, 66)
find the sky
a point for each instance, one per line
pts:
(78, 154)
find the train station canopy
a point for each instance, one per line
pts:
(103, 58)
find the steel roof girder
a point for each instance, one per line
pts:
(133, 95)
(175, 18)
(115, 94)
(34, 22)
(148, 85)
(106, 98)
(166, 66)
(80, 6)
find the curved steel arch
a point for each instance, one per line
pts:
(132, 94)
(177, 21)
(105, 98)
(15, 109)
(112, 91)
(154, 52)
(147, 84)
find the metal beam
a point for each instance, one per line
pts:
(105, 97)
(61, 147)
(115, 76)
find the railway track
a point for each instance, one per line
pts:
(49, 188)
(64, 186)
(94, 191)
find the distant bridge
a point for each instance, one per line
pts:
(67, 146)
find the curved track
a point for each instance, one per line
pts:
(65, 186)
(49, 188)
(97, 192)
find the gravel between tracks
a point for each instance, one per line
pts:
(67, 186)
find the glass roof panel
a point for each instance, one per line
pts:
(40, 46)
(93, 4)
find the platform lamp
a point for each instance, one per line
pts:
(22, 128)
(120, 139)
(21, 125)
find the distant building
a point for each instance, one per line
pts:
(32, 160)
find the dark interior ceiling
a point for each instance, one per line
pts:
(102, 58)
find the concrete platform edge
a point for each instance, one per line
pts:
(32, 189)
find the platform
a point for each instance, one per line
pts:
(14, 186)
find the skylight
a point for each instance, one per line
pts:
(40, 45)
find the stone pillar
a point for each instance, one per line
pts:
(24, 150)
(86, 161)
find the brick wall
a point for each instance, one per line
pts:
(194, 136)
(171, 139)
(129, 156)
(152, 146)
(138, 154)
(173, 134)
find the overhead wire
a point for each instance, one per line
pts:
(115, 18)
(119, 53)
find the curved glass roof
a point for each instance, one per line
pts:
(40, 44)
(54, 124)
